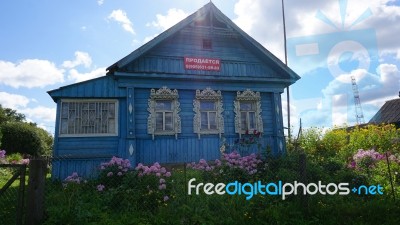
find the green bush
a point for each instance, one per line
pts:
(381, 138)
(25, 138)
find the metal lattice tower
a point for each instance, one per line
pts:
(357, 102)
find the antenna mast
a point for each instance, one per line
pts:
(357, 102)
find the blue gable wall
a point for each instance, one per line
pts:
(237, 60)
(245, 64)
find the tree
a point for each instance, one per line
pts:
(25, 138)
(10, 115)
(16, 135)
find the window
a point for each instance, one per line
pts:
(248, 115)
(164, 113)
(208, 109)
(248, 112)
(88, 118)
(207, 44)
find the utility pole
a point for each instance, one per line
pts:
(287, 89)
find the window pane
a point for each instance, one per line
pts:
(64, 110)
(212, 116)
(159, 121)
(111, 110)
(207, 105)
(168, 121)
(163, 105)
(252, 120)
(243, 120)
(204, 121)
(64, 126)
(246, 106)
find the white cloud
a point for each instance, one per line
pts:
(149, 38)
(75, 76)
(100, 2)
(30, 73)
(81, 58)
(164, 22)
(34, 114)
(13, 101)
(120, 16)
(40, 113)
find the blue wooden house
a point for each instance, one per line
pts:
(199, 85)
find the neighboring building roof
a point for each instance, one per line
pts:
(197, 17)
(388, 113)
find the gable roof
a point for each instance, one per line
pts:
(388, 113)
(195, 17)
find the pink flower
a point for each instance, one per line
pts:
(166, 198)
(162, 187)
(158, 174)
(163, 170)
(25, 161)
(119, 174)
(162, 181)
(2, 154)
(168, 174)
(139, 166)
(109, 174)
(100, 187)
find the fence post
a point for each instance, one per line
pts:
(35, 194)
(21, 193)
(303, 179)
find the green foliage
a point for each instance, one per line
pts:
(380, 138)
(134, 199)
(310, 140)
(25, 138)
(344, 144)
(10, 115)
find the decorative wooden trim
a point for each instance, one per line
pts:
(130, 112)
(208, 95)
(251, 96)
(163, 93)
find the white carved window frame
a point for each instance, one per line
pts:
(164, 94)
(254, 98)
(208, 95)
(97, 120)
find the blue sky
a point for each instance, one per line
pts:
(46, 44)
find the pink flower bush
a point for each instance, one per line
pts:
(155, 169)
(232, 160)
(368, 158)
(248, 163)
(73, 178)
(117, 165)
(155, 176)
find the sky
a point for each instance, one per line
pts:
(46, 44)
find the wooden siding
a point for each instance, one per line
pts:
(84, 154)
(188, 148)
(236, 59)
(102, 87)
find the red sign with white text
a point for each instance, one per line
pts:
(199, 63)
